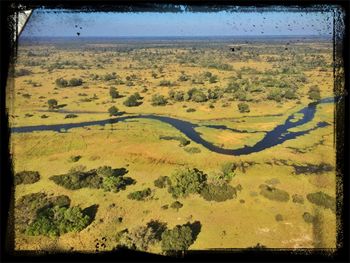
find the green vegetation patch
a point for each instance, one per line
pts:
(218, 192)
(313, 168)
(26, 177)
(323, 200)
(104, 177)
(141, 195)
(192, 150)
(273, 193)
(183, 141)
(186, 181)
(162, 182)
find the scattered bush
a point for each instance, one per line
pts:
(70, 116)
(113, 111)
(75, 82)
(298, 199)
(140, 195)
(52, 103)
(74, 158)
(273, 193)
(183, 141)
(314, 93)
(243, 107)
(26, 177)
(308, 218)
(158, 100)
(176, 205)
(279, 217)
(161, 182)
(131, 101)
(190, 110)
(323, 200)
(22, 72)
(113, 93)
(192, 150)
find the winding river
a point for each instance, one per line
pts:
(274, 137)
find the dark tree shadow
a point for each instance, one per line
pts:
(157, 227)
(120, 171)
(91, 212)
(196, 229)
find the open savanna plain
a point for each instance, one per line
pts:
(280, 197)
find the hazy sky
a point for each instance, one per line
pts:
(44, 22)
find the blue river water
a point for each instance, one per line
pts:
(272, 138)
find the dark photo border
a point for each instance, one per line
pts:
(9, 19)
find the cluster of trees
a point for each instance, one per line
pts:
(193, 181)
(179, 238)
(38, 214)
(113, 93)
(73, 82)
(55, 221)
(26, 177)
(112, 180)
(183, 141)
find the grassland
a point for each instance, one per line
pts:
(136, 145)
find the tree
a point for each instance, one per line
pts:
(290, 94)
(314, 93)
(75, 82)
(158, 100)
(186, 181)
(52, 103)
(199, 96)
(113, 111)
(178, 238)
(131, 101)
(61, 82)
(113, 93)
(176, 205)
(243, 107)
(112, 183)
(137, 95)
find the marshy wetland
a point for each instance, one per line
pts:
(137, 142)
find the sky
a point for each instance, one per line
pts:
(56, 23)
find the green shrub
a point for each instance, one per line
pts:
(176, 205)
(218, 193)
(52, 103)
(308, 218)
(26, 177)
(298, 199)
(192, 150)
(190, 110)
(273, 193)
(74, 82)
(140, 195)
(243, 107)
(323, 200)
(279, 217)
(74, 158)
(131, 101)
(115, 184)
(113, 111)
(113, 93)
(228, 171)
(178, 238)
(314, 93)
(186, 181)
(161, 182)
(183, 141)
(158, 100)
(70, 116)
(199, 96)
